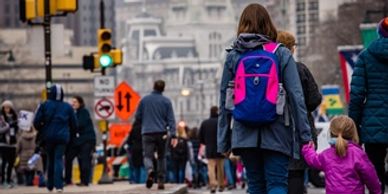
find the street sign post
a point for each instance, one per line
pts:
(104, 109)
(104, 86)
(126, 101)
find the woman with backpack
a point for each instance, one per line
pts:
(8, 142)
(312, 97)
(262, 94)
(180, 155)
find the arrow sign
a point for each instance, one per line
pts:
(120, 105)
(128, 97)
(126, 101)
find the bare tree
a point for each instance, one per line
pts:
(321, 53)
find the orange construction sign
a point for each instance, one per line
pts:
(118, 132)
(126, 101)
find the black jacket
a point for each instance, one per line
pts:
(313, 99)
(208, 136)
(85, 132)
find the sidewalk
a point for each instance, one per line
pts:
(116, 188)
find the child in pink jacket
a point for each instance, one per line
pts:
(346, 166)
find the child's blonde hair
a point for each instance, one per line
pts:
(344, 129)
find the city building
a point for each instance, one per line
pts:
(84, 23)
(22, 81)
(9, 14)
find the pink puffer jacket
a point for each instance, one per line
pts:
(346, 175)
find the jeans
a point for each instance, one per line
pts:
(155, 143)
(376, 154)
(179, 167)
(29, 177)
(267, 171)
(84, 154)
(55, 154)
(230, 172)
(138, 175)
(8, 156)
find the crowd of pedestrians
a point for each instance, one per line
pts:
(262, 132)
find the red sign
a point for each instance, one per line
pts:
(118, 132)
(103, 108)
(126, 101)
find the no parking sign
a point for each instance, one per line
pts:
(104, 109)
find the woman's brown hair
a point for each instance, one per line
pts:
(256, 20)
(344, 129)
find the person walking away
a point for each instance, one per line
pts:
(55, 120)
(195, 164)
(25, 149)
(82, 144)
(179, 155)
(313, 99)
(208, 139)
(8, 140)
(158, 122)
(346, 166)
(268, 109)
(134, 141)
(368, 99)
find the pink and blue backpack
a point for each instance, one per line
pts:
(256, 86)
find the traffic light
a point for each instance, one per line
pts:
(117, 55)
(67, 5)
(40, 7)
(104, 37)
(27, 10)
(90, 62)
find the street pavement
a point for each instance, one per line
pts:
(240, 191)
(116, 188)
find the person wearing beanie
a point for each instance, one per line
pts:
(369, 97)
(382, 29)
(55, 120)
(8, 142)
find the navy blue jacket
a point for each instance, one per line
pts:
(54, 118)
(85, 132)
(276, 136)
(369, 93)
(156, 114)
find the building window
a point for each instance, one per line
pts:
(149, 32)
(313, 17)
(314, 5)
(300, 6)
(300, 18)
(302, 41)
(301, 30)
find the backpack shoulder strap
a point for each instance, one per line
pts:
(271, 47)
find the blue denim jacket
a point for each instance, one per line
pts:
(156, 114)
(276, 136)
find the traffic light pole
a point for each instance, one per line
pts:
(102, 25)
(47, 45)
(105, 178)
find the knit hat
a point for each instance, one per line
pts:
(7, 103)
(383, 28)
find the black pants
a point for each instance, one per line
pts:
(8, 156)
(376, 154)
(155, 143)
(296, 182)
(29, 177)
(179, 166)
(84, 156)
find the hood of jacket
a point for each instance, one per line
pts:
(379, 49)
(246, 41)
(56, 93)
